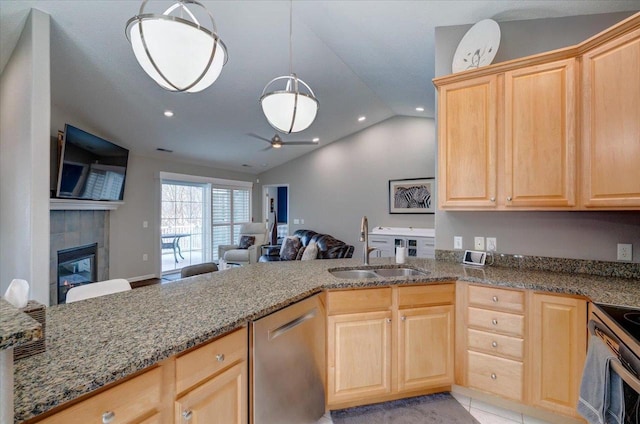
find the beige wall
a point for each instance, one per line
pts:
(24, 171)
(332, 187)
(578, 235)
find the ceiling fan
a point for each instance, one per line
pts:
(276, 142)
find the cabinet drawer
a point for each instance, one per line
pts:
(360, 300)
(433, 294)
(499, 322)
(496, 375)
(128, 401)
(202, 363)
(497, 299)
(495, 344)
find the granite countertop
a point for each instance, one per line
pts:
(98, 341)
(16, 327)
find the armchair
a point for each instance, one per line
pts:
(231, 252)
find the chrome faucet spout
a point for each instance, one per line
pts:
(364, 237)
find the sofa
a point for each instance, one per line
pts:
(328, 246)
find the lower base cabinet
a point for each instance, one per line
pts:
(221, 400)
(397, 344)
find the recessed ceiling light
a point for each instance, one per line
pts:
(264, 165)
(419, 109)
(315, 140)
(168, 113)
(362, 118)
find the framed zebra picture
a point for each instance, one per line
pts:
(414, 195)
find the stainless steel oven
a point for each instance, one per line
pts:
(619, 328)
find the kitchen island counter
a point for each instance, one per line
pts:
(99, 341)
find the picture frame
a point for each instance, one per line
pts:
(412, 196)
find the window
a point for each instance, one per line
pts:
(198, 215)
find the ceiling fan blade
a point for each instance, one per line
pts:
(266, 148)
(259, 137)
(299, 143)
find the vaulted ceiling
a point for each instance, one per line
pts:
(361, 58)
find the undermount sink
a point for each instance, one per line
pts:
(376, 273)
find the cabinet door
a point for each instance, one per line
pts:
(221, 400)
(611, 124)
(467, 144)
(540, 140)
(558, 331)
(359, 356)
(425, 347)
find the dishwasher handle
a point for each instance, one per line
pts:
(284, 328)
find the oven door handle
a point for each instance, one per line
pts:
(615, 363)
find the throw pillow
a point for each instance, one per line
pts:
(290, 248)
(311, 252)
(246, 242)
(300, 253)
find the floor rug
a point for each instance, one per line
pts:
(439, 408)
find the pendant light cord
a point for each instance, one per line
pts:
(290, 37)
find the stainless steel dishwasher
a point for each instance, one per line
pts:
(288, 364)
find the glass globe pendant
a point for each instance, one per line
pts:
(177, 53)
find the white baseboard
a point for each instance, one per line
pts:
(142, 277)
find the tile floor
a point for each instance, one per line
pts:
(481, 411)
(489, 414)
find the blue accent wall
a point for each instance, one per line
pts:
(283, 205)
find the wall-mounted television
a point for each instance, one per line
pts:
(90, 167)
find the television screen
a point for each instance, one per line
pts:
(91, 168)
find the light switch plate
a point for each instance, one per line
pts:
(478, 243)
(457, 242)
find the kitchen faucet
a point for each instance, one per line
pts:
(364, 236)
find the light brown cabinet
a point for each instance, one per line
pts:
(558, 346)
(611, 123)
(467, 144)
(554, 131)
(521, 345)
(508, 140)
(398, 343)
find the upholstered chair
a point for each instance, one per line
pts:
(233, 253)
(203, 268)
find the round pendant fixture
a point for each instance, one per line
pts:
(177, 53)
(289, 110)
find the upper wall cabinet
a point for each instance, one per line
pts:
(508, 134)
(611, 123)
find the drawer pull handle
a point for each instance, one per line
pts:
(187, 415)
(494, 376)
(108, 417)
(495, 299)
(494, 344)
(494, 321)
(220, 357)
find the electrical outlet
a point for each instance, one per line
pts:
(457, 242)
(492, 244)
(478, 243)
(145, 257)
(296, 221)
(625, 252)
(145, 224)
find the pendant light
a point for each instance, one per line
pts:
(178, 53)
(294, 107)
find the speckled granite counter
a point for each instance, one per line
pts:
(98, 341)
(16, 327)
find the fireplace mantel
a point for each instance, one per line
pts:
(83, 205)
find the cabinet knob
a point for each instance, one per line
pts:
(494, 344)
(493, 376)
(403, 318)
(494, 321)
(389, 320)
(493, 199)
(108, 417)
(220, 357)
(495, 299)
(508, 198)
(187, 415)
